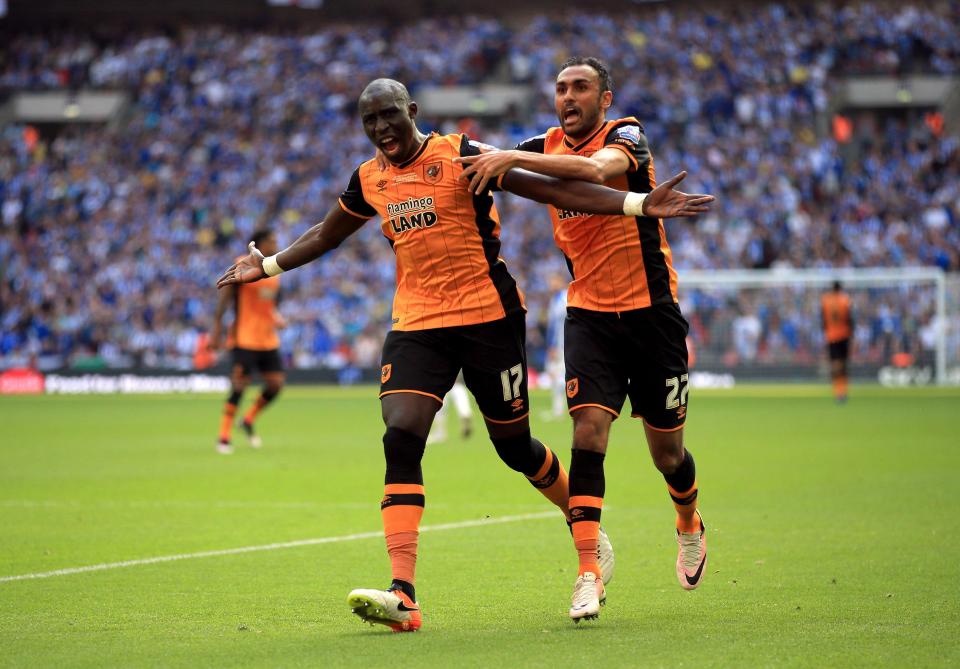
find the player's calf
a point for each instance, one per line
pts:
(226, 421)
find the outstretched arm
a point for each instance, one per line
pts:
(596, 169)
(216, 334)
(661, 202)
(321, 238)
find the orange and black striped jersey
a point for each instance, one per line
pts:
(446, 240)
(837, 318)
(254, 324)
(618, 263)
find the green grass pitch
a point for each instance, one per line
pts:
(833, 537)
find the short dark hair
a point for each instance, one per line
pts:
(837, 285)
(260, 234)
(606, 81)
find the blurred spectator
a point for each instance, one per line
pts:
(112, 237)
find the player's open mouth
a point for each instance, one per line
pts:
(571, 115)
(389, 144)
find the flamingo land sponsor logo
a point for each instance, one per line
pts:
(412, 214)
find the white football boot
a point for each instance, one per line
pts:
(588, 597)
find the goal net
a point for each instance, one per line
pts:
(757, 325)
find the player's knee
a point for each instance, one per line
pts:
(667, 457)
(590, 436)
(410, 413)
(521, 453)
(238, 378)
(403, 452)
(235, 395)
(271, 389)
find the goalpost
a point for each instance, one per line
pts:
(766, 324)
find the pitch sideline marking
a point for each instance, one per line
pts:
(272, 547)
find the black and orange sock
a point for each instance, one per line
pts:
(402, 504)
(587, 487)
(405, 588)
(229, 411)
(401, 510)
(551, 479)
(267, 395)
(682, 485)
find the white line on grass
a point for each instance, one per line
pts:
(173, 504)
(273, 547)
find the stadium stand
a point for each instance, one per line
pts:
(112, 235)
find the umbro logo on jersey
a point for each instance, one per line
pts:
(381, 185)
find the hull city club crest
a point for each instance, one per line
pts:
(433, 172)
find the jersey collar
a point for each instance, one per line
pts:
(579, 147)
(416, 156)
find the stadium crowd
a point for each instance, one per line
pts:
(113, 236)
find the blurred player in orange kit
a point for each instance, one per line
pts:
(254, 344)
(837, 330)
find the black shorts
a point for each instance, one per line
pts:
(493, 357)
(839, 350)
(641, 354)
(262, 361)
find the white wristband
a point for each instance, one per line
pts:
(633, 204)
(270, 265)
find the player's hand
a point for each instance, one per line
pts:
(279, 321)
(664, 202)
(248, 270)
(479, 170)
(215, 341)
(382, 162)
